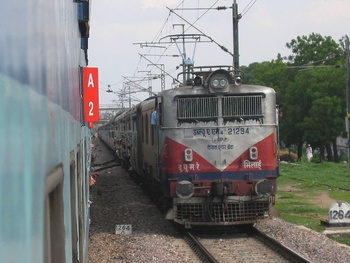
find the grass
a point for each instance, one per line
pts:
(301, 184)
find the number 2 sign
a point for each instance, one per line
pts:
(90, 96)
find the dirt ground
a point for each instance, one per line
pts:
(320, 198)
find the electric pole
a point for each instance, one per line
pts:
(235, 18)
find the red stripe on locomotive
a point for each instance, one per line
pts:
(172, 158)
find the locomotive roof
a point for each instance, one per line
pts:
(241, 89)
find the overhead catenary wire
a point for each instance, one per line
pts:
(222, 47)
(180, 6)
(248, 7)
(191, 25)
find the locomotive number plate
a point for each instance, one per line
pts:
(123, 229)
(339, 212)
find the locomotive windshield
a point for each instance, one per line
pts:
(197, 108)
(229, 107)
(242, 106)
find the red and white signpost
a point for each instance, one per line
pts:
(90, 96)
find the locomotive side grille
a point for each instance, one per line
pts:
(190, 108)
(242, 106)
(221, 213)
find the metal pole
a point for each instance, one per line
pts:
(235, 18)
(149, 84)
(129, 98)
(183, 55)
(162, 75)
(162, 78)
(122, 95)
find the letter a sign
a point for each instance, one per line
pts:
(90, 96)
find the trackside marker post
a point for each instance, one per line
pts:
(123, 229)
(339, 213)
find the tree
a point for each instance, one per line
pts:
(313, 50)
(311, 81)
(317, 86)
(272, 74)
(323, 124)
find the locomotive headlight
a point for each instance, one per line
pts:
(263, 187)
(253, 153)
(184, 189)
(218, 82)
(223, 82)
(215, 83)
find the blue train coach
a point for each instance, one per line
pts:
(45, 142)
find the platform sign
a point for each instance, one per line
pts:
(90, 96)
(123, 229)
(339, 213)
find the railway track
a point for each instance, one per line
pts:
(239, 245)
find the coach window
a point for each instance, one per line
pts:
(146, 127)
(160, 111)
(111, 131)
(133, 123)
(143, 134)
(153, 127)
(54, 219)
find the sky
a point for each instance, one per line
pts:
(122, 31)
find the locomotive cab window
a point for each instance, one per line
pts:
(230, 108)
(242, 107)
(197, 108)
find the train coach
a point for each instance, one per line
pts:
(45, 142)
(207, 150)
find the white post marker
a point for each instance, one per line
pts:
(339, 213)
(123, 229)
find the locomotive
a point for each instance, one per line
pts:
(45, 142)
(206, 150)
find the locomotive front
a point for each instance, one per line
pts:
(218, 150)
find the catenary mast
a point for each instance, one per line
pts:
(235, 18)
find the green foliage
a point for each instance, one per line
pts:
(310, 87)
(324, 122)
(273, 74)
(313, 49)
